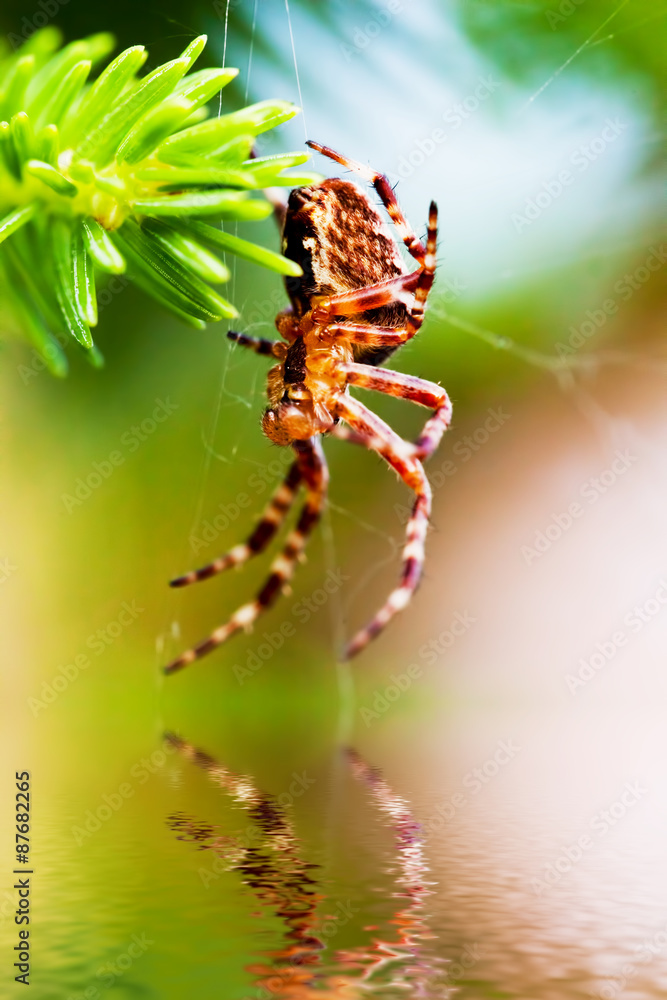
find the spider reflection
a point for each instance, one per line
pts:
(268, 856)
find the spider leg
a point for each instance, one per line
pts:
(268, 525)
(427, 273)
(315, 478)
(400, 289)
(366, 333)
(274, 348)
(410, 289)
(379, 437)
(386, 193)
(417, 390)
(344, 433)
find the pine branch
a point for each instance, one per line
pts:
(115, 177)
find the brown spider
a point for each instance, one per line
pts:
(354, 305)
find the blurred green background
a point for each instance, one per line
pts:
(483, 107)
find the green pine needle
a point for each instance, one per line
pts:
(117, 176)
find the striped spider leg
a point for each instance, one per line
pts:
(309, 469)
(367, 429)
(417, 390)
(378, 436)
(384, 189)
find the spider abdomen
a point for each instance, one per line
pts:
(340, 241)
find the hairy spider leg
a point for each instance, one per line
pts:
(417, 390)
(379, 437)
(272, 518)
(314, 476)
(366, 333)
(344, 433)
(385, 191)
(400, 289)
(260, 345)
(427, 273)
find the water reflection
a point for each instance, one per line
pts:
(413, 966)
(268, 856)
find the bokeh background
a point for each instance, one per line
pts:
(516, 710)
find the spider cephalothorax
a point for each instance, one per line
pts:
(355, 303)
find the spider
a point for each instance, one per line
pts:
(355, 304)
